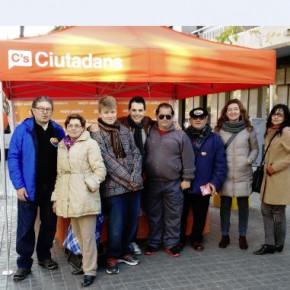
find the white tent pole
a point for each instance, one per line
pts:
(3, 182)
(271, 97)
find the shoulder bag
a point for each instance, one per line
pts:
(259, 173)
(230, 140)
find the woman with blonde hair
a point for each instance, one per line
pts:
(241, 146)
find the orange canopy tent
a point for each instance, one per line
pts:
(154, 62)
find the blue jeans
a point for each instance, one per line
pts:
(123, 211)
(225, 214)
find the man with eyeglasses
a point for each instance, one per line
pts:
(169, 168)
(32, 162)
(211, 171)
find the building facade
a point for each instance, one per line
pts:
(257, 101)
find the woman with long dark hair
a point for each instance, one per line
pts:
(241, 146)
(275, 193)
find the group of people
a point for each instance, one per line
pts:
(110, 166)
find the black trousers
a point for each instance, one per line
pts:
(199, 205)
(25, 239)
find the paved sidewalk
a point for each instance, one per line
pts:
(214, 268)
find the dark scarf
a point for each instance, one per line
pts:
(114, 131)
(137, 133)
(68, 142)
(197, 136)
(234, 127)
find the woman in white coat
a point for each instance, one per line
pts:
(242, 150)
(80, 170)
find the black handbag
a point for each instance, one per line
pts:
(258, 178)
(259, 173)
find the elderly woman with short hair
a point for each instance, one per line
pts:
(80, 170)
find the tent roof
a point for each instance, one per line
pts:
(80, 62)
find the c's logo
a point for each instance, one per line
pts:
(19, 58)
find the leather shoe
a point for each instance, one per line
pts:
(88, 280)
(21, 274)
(48, 264)
(78, 271)
(265, 249)
(279, 248)
(224, 242)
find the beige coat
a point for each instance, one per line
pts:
(275, 189)
(80, 171)
(241, 152)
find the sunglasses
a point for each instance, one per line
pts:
(161, 117)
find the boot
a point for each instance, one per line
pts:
(243, 243)
(224, 242)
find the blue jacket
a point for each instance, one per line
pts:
(22, 156)
(210, 164)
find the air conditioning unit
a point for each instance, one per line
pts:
(287, 32)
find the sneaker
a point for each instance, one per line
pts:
(198, 246)
(112, 266)
(150, 250)
(173, 251)
(129, 260)
(135, 249)
(21, 274)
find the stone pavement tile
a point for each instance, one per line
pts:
(214, 268)
(206, 285)
(73, 287)
(108, 287)
(165, 285)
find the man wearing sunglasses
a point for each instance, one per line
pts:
(169, 168)
(210, 173)
(32, 166)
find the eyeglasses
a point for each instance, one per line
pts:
(71, 126)
(279, 115)
(168, 117)
(42, 110)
